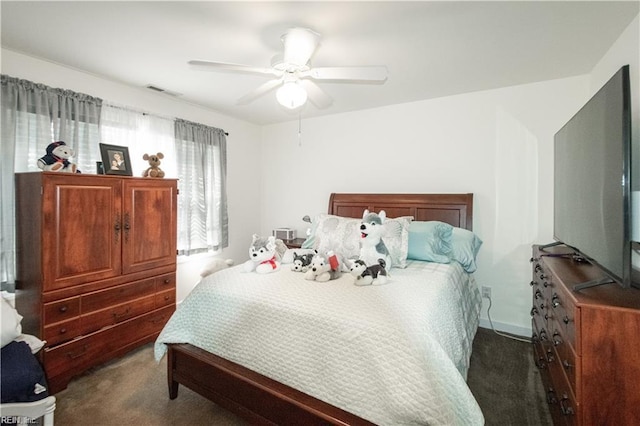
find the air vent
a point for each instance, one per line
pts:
(161, 90)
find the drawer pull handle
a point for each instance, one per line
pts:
(550, 356)
(167, 281)
(75, 355)
(566, 409)
(117, 315)
(63, 330)
(63, 309)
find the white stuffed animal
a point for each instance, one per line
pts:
(262, 255)
(215, 265)
(320, 269)
(367, 275)
(58, 158)
(372, 247)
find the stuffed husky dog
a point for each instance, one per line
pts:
(320, 269)
(372, 247)
(366, 275)
(263, 256)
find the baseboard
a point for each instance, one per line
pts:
(506, 328)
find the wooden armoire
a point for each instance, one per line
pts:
(96, 265)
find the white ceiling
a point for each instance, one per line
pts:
(431, 49)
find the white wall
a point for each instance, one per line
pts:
(496, 144)
(243, 144)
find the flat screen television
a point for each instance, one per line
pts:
(592, 182)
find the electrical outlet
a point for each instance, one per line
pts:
(486, 292)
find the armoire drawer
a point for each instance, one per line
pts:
(78, 355)
(116, 314)
(116, 295)
(62, 331)
(165, 282)
(61, 310)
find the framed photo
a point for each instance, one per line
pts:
(115, 160)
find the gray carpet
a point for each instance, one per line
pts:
(133, 391)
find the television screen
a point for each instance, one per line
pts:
(592, 171)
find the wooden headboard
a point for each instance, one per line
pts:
(455, 209)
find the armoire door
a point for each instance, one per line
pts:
(149, 217)
(81, 229)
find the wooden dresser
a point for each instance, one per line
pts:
(586, 343)
(96, 265)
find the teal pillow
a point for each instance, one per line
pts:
(464, 248)
(430, 241)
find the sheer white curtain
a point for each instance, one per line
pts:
(201, 152)
(141, 133)
(33, 116)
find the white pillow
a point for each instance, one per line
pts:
(11, 327)
(34, 343)
(342, 235)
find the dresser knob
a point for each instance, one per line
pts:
(63, 330)
(167, 281)
(63, 309)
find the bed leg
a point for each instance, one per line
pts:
(173, 385)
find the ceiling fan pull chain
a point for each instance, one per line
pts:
(299, 128)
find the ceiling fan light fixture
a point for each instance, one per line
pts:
(291, 95)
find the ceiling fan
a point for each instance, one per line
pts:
(294, 76)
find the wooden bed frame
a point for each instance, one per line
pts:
(261, 400)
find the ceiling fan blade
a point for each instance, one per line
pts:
(224, 66)
(353, 74)
(299, 45)
(316, 95)
(261, 90)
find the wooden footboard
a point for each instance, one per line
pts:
(246, 393)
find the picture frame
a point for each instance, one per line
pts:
(115, 160)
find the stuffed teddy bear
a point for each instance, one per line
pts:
(154, 169)
(367, 275)
(301, 262)
(215, 265)
(372, 247)
(263, 255)
(57, 159)
(321, 268)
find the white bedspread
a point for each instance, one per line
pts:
(396, 354)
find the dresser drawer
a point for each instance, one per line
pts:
(62, 331)
(564, 313)
(116, 314)
(117, 295)
(61, 310)
(567, 358)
